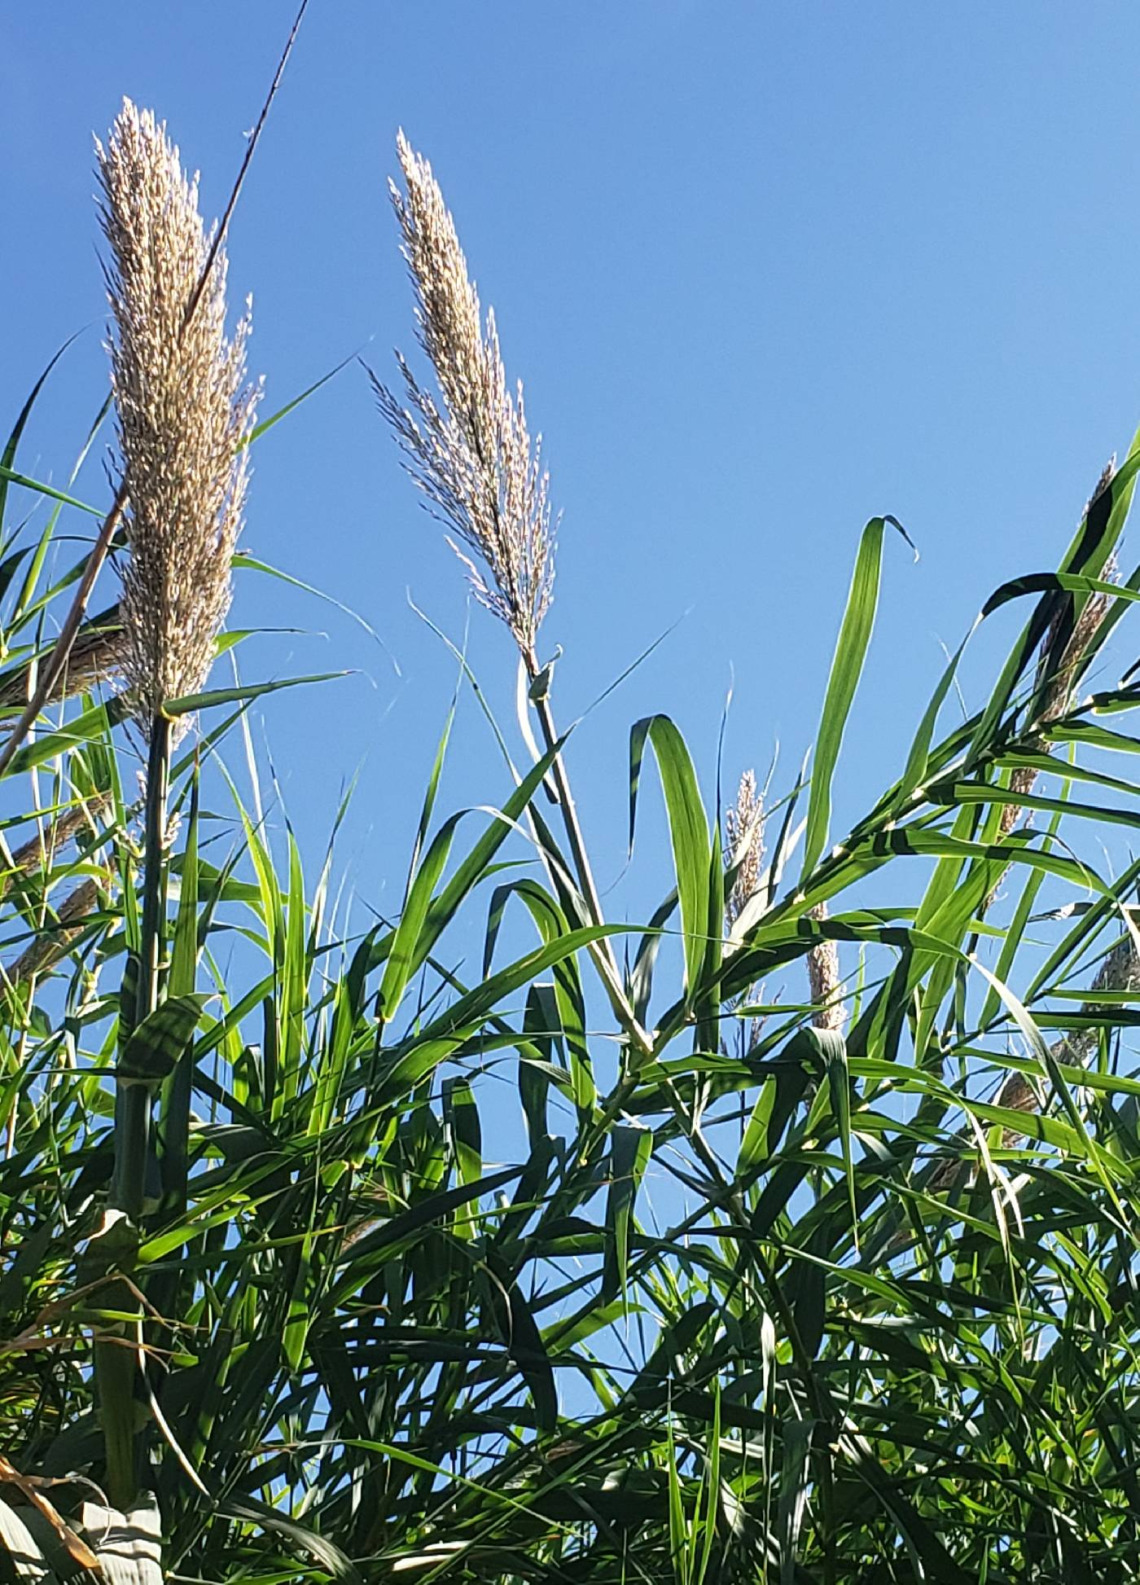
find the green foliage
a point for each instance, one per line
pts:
(730, 1293)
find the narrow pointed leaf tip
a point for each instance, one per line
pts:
(846, 669)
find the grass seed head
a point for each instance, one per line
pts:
(1058, 696)
(744, 844)
(824, 980)
(39, 851)
(184, 411)
(95, 656)
(470, 451)
(52, 940)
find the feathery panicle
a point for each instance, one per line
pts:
(51, 944)
(1120, 971)
(1022, 780)
(1093, 612)
(1059, 694)
(39, 851)
(470, 452)
(95, 656)
(824, 981)
(184, 411)
(744, 845)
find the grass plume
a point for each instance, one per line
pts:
(1058, 695)
(470, 452)
(95, 656)
(38, 851)
(824, 980)
(184, 411)
(744, 845)
(56, 935)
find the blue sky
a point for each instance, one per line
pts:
(766, 270)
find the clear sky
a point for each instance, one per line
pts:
(766, 270)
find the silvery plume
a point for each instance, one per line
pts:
(184, 410)
(824, 979)
(744, 845)
(470, 452)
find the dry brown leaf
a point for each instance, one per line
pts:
(77, 1548)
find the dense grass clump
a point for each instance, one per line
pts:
(811, 1253)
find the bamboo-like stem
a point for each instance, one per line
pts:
(133, 1119)
(584, 873)
(602, 950)
(116, 1366)
(115, 1370)
(154, 861)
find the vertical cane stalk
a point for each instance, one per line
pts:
(184, 414)
(134, 1115)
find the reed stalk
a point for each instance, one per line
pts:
(133, 1113)
(470, 453)
(824, 981)
(184, 413)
